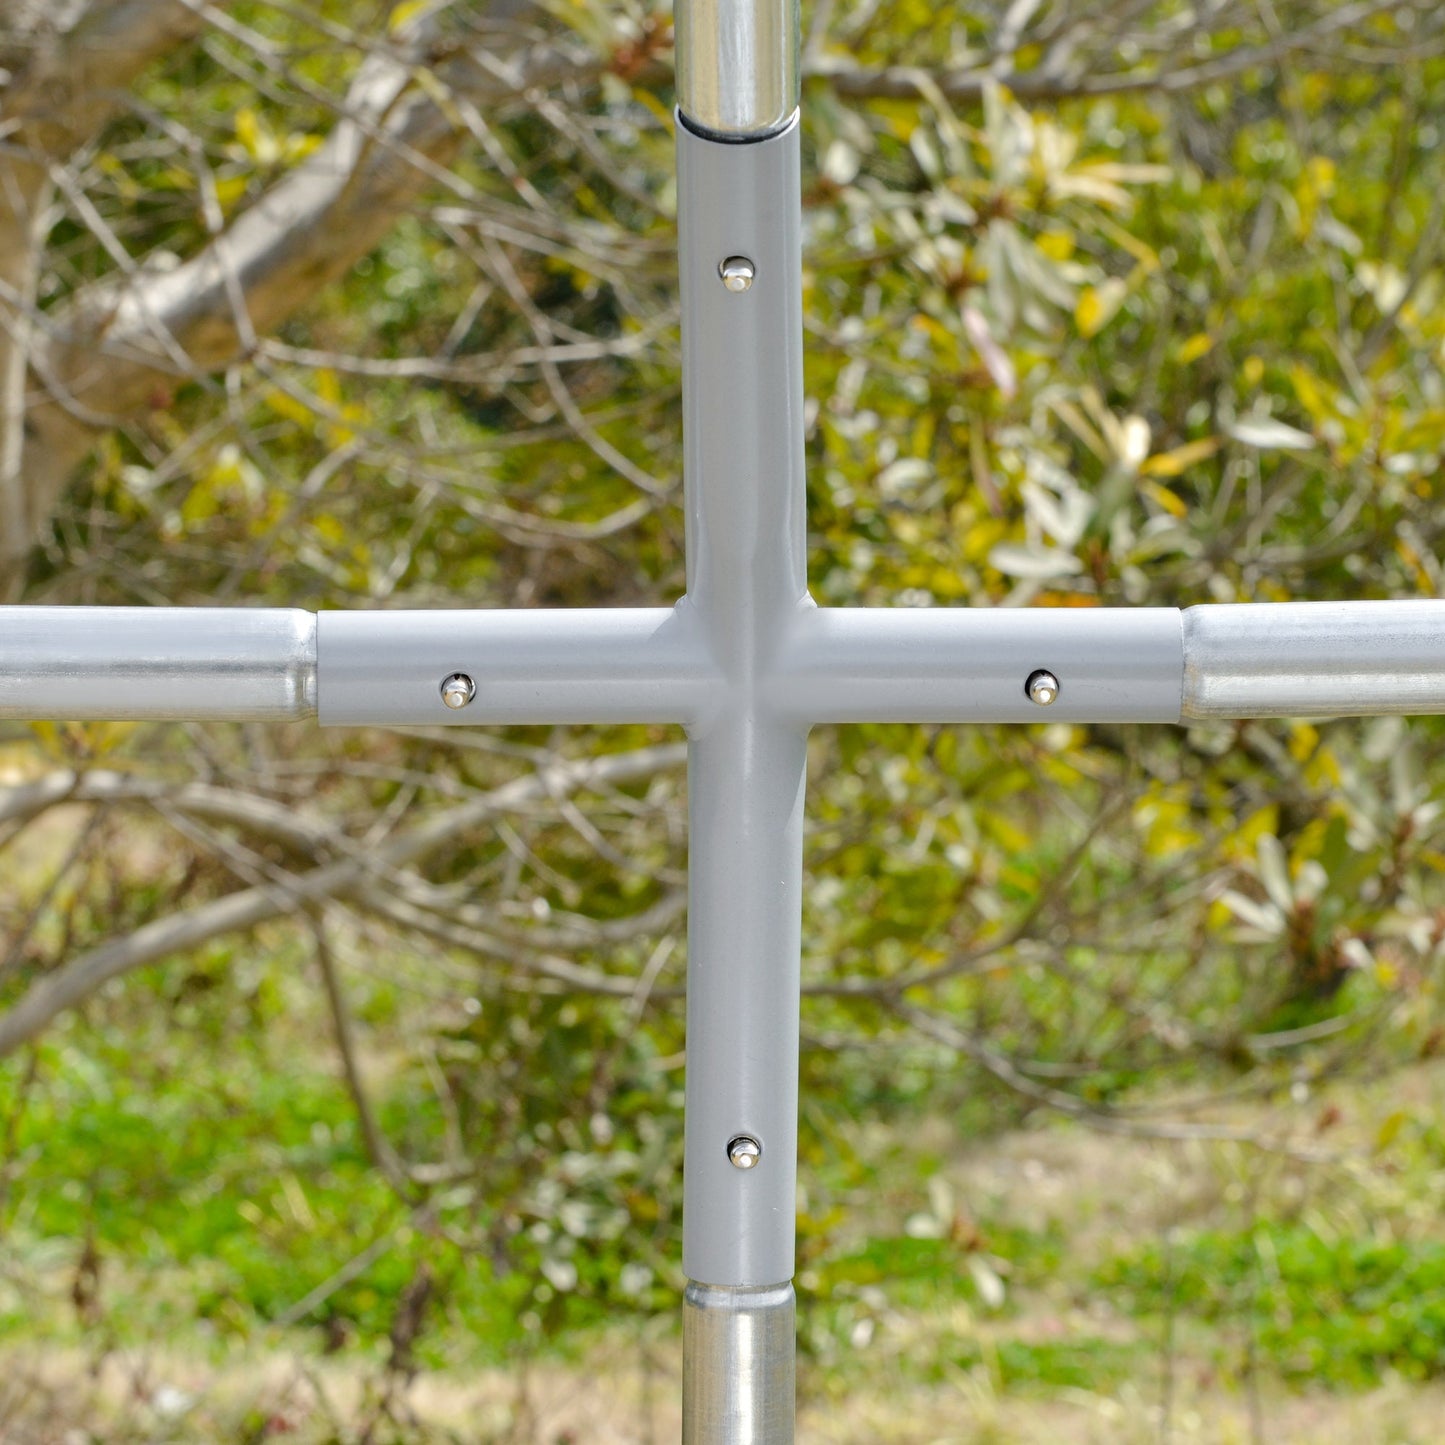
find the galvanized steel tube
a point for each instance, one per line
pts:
(737, 1372)
(737, 66)
(254, 664)
(1314, 659)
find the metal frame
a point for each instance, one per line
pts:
(747, 664)
(662, 665)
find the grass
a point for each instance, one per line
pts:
(167, 1205)
(212, 1202)
(1350, 1310)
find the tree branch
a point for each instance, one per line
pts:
(244, 909)
(261, 815)
(1085, 75)
(378, 1146)
(71, 64)
(99, 362)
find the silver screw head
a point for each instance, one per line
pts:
(1042, 688)
(737, 273)
(744, 1151)
(458, 690)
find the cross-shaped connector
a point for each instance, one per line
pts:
(747, 664)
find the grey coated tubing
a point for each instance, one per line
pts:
(738, 1374)
(737, 66)
(746, 534)
(595, 665)
(745, 793)
(1288, 659)
(243, 664)
(1314, 659)
(742, 360)
(972, 664)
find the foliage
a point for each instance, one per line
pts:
(1158, 344)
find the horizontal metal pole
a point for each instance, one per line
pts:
(585, 665)
(76, 664)
(957, 664)
(961, 665)
(1314, 659)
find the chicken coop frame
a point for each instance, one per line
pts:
(747, 664)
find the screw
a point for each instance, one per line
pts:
(737, 273)
(458, 690)
(1042, 688)
(744, 1151)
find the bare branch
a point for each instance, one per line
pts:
(71, 64)
(77, 980)
(100, 362)
(378, 1146)
(219, 805)
(1108, 1121)
(1080, 72)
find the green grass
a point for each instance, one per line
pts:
(221, 1177)
(1343, 1311)
(217, 1198)
(217, 1195)
(220, 1183)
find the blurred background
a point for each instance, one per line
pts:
(341, 1072)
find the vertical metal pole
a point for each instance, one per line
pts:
(738, 1365)
(737, 66)
(739, 221)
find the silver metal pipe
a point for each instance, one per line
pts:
(1314, 659)
(957, 664)
(737, 1365)
(737, 66)
(597, 665)
(128, 663)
